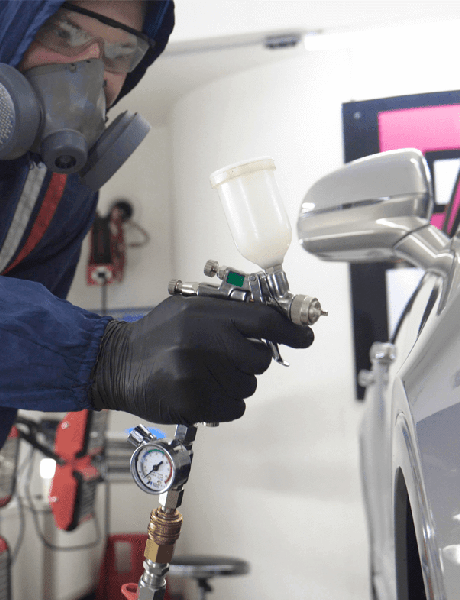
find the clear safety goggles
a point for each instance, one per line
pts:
(73, 29)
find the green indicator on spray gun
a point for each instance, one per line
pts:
(235, 279)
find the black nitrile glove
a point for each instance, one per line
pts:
(189, 360)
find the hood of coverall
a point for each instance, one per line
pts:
(21, 19)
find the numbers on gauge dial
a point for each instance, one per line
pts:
(155, 469)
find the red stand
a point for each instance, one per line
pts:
(129, 591)
(115, 585)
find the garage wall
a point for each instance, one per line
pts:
(280, 488)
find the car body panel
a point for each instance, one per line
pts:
(411, 424)
(410, 431)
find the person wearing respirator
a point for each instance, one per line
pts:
(63, 64)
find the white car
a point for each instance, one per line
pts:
(378, 209)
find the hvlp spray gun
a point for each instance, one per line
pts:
(262, 233)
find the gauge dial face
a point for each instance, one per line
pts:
(155, 469)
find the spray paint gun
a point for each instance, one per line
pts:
(262, 233)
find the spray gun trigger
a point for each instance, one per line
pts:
(276, 354)
(274, 350)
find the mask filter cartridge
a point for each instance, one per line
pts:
(58, 112)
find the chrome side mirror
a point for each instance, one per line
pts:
(374, 209)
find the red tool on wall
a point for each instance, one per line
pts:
(107, 249)
(107, 257)
(79, 445)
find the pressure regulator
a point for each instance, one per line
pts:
(158, 465)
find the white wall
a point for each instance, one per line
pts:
(206, 19)
(279, 488)
(402, 60)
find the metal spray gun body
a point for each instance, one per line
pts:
(269, 287)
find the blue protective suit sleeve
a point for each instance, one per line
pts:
(49, 348)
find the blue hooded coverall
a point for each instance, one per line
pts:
(48, 346)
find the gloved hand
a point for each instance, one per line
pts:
(189, 360)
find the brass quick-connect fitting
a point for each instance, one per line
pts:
(163, 531)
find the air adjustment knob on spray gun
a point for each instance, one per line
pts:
(262, 233)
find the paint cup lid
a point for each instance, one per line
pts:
(242, 168)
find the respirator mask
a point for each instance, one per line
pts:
(58, 112)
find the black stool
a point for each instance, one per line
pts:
(203, 568)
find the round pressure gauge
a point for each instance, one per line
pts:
(153, 468)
